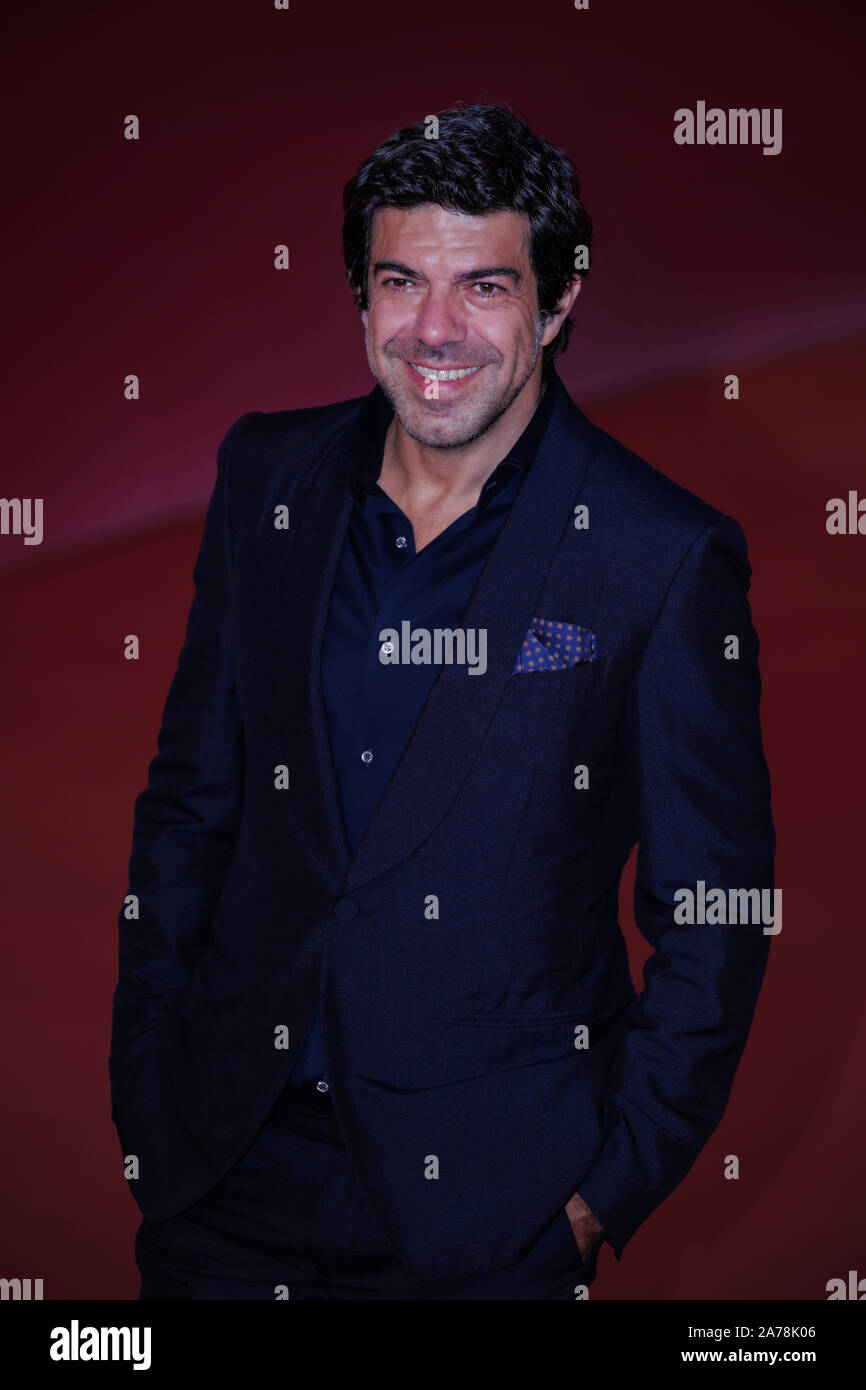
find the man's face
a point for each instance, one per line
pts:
(448, 292)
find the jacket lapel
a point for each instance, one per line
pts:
(304, 579)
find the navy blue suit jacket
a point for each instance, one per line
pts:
(457, 956)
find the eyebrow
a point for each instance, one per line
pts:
(486, 272)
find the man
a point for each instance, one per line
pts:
(453, 651)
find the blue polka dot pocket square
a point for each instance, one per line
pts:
(553, 646)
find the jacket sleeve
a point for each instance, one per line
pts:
(703, 808)
(186, 819)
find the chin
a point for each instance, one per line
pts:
(442, 432)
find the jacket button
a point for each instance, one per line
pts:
(345, 909)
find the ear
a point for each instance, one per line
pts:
(563, 309)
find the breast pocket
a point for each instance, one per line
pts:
(564, 723)
(543, 708)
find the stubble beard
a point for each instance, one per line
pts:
(455, 428)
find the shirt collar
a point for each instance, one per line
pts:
(367, 443)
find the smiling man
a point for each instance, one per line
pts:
(453, 337)
(375, 1034)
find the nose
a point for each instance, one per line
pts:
(439, 319)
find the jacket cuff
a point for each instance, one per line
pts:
(629, 1179)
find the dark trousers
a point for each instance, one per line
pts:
(290, 1219)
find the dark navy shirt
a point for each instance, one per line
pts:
(382, 582)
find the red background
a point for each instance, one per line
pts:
(155, 257)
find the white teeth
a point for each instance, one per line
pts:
(445, 375)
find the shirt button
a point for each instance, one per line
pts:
(401, 542)
(367, 755)
(322, 1085)
(386, 648)
(345, 909)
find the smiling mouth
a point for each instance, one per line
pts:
(446, 374)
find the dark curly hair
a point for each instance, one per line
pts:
(486, 159)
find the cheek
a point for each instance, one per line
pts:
(386, 322)
(513, 333)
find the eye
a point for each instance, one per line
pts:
(397, 281)
(488, 289)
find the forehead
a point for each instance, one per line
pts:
(430, 234)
